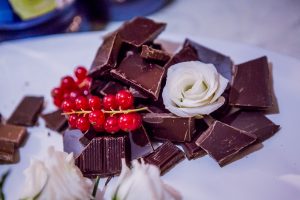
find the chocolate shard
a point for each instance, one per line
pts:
(223, 142)
(7, 147)
(138, 73)
(7, 157)
(222, 63)
(27, 111)
(137, 94)
(112, 87)
(71, 142)
(187, 53)
(140, 143)
(102, 156)
(88, 136)
(56, 121)
(253, 122)
(107, 55)
(97, 85)
(165, 126)
(150, 53)
(140, 31)
(191, 150)
(12, 134)
(251, 85)
(165, 157)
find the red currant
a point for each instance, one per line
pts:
(124, 99)
(57, 93)
(83, 124)
(95, 102)
(72, 120)
(57, 102)
(68, 105)
(111, 124)
(67, 83)
(81, 103)
(130, 121)
(109, 102)
(80, 72)
(74, 94)
(98, 128)
(97, 118)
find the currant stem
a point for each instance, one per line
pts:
(84, 112)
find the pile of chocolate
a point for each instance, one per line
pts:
(132, 58)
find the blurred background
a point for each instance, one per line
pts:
(270, 24)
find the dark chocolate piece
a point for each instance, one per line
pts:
(251, 85)
(187, 53)
(252, 122)
(222, 63)
(27, 111)
(165, 157)
(7, 157)
(140, 31)
(12, 134)
(137, 94)
(88, 136)
(112, 87)
(56, 121)
(7, 147)
(140, 143)
(223, 142)
(164, 126)
(138, 73)
(150, 53)
(225, 109)
(102, 156)
(97, 85)
(71, 142)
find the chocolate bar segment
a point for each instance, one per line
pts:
(27, 111)
(165, 157)
(223, 142)
(253, 122)
(222, 63)
(56, 121)
(112, 87)
(102, 156)
(187, 53)
(7, 157)
(150, 53)
(138, 73)
(71, 142)
(97, 85)
(165, 126)
(12, 134)
(251, 85)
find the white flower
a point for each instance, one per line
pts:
(193, 88)
(57, 177)
(143, 182)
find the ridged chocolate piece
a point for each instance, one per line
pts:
(12, 134)
(187, 53)
(165, 157)
(102, 156)
(251, 87)
(27, 111)
(7, 157)
(56, 121)
(150, 53)
(222, 63)
(223, 142)
(253, 122)
(138, 73)
(71, 142)
(165, 126)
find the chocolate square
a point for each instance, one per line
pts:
(152, 54)
(56, 121)
(12, 134)
(185, 54)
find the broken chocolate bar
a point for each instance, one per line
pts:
(251, 85)
(165, 126)
(252, 122)
(138, 73)
(27, 111)
(187, 53)
(7, 157)
(56, 121)
(112, 87)
(165, 157)
(223, 142)
(97, 85)
(102, 156)
(71, 142)
(140, 143)
(150, 53)
(12, 134)
(222, 63)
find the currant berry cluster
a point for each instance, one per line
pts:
(110, 114)
(71, 88)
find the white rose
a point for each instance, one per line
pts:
(193, 88)
(57, 177)
(143, 182)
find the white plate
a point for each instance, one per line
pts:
(35, 66)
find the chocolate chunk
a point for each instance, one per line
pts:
(150, 53)
(138, 73)
(27, 111)
(164, 126)
(225, 109)
(222, 63)
(97, 85)
(56, 121)
(71, 142)
(137, 94)
(251, 85)
(223, 142)
(140, 143)
(12, 134)
(191, 150)
(102, 156)
(112, 87)
(140, 31)
(7, 157)
(253, 122)
(7, 147)
(187, 53)
(165, 157)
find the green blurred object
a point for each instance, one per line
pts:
(28, 9)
